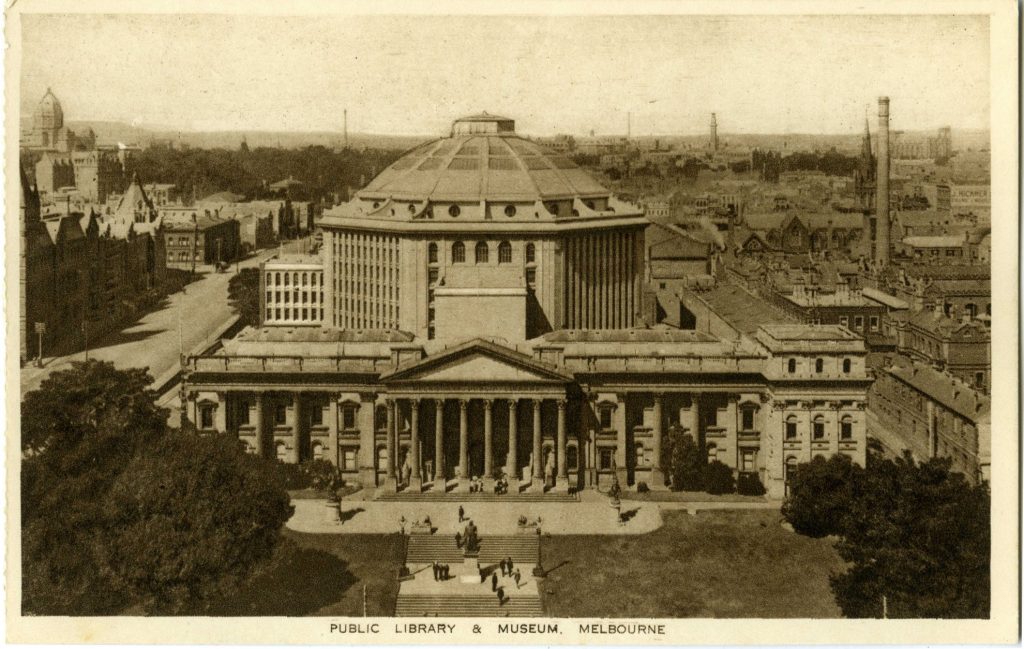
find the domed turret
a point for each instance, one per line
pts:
(48, 115)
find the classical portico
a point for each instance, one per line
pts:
(493, 411)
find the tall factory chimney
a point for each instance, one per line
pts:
(882, 226)
(345, 126)
(714, 133)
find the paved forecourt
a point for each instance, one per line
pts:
(593, 515)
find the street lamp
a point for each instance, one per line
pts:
(40, 329)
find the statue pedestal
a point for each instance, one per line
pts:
(415, 485)
(471, 570)
(537, 485)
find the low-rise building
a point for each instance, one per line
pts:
(205, 239)
(959, 347)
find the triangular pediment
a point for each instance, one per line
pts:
(478, 361)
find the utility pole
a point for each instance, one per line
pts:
(195, 244)
(885, 608)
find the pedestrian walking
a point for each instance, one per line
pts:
(435, 567)
(501, 596)
(508, 562)
(503, 566)
(517, 577)
(458, 539)
(462, 514)
(494, 581)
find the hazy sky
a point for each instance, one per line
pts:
(413, 75)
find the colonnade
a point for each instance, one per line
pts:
(511, 464)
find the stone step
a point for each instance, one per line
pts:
(467, 606)
(523, 548)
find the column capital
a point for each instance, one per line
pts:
(562, 403)
(463, 404)
(513, 404)
(536, 403)
(488, 404)
(439, 404)
(414, 401)
(658, 396)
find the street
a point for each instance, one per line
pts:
(189, 317)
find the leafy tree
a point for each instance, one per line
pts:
(820, 495)
(79, 430)
(749, 484)
(686, 464)
(198, 516)
(117, 512)
(916, 534)
(717, 478)
(244, 295)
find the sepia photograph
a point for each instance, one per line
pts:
(561, 326)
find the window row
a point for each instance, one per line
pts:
(482, 253)
(277, 278)
(818, 427)
(294, 314)
(295, 296)
(819, 365)
(858, 322)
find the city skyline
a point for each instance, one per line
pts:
(936, 77)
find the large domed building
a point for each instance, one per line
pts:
(476, 311)
(483, 217)
(48, 132)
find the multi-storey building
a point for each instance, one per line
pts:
(203, 238)
(960, 347)
(482, 315)
(292, 290)
(935, 415)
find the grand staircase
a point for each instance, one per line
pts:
(467, 606)
(523, 548)
(453, 600)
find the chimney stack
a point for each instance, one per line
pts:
(714, 133)
(882, 226)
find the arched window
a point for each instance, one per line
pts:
(458, 252)
(482, 252)
(819, 365)
(791, 366)
(432, 253)
(818, 427)
(504, 252)
(790, 469)
(531, 253)
(791, 427)
(281, 451)
(846, 366)
(318, 451)
(846, 427)
(638, 451)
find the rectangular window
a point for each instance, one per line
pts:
(206, 417)
(531, 278)
(280, 415)
(818, 428)
(348, 459)
(605, 458)
(348, 418)
(846, 429)
(316, 416)
(747, 462)
(844, 320)
(747, 419)
(874, 323)
(858, 322)
(243, 413)
(605, 416)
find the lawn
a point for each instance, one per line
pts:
(324, 574)
(737, 563)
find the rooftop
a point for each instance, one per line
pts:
(743, 310)
(295, 259)
(942, 388)
(934, 242)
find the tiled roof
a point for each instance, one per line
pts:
(942, 388)
(743, 310)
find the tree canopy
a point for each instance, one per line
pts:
(916, 534)
(117, 511)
